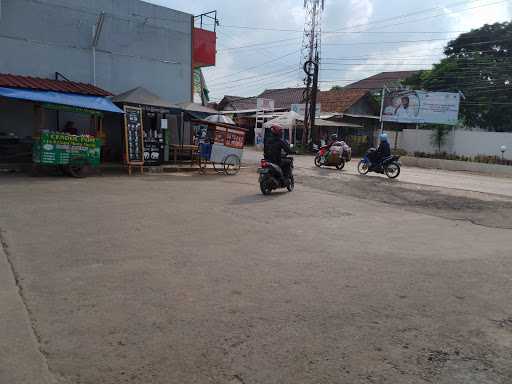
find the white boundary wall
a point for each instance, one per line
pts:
(460, 142)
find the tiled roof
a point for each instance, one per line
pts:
(237, 103)
(35, 83)
(285, 97)
(340, 100)
(380, 80)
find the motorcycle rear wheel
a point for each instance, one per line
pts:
(363, 168)
(341, 164)
(392, 170)
(318, 161)
(291, 186)
(265, 187)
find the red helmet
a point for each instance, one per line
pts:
(276, 129)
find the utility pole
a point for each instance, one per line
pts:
(311, 47)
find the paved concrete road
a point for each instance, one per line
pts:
(200, 279)
(431, 177)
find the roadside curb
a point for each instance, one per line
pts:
(21, 360)
(454, 165)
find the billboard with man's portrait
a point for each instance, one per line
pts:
(419, 107)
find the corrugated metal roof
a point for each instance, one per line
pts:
(142, 96)
(36, 83)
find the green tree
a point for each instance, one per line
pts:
(478, 64)
(439, 136)
(337, 88)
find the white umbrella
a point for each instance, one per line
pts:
(286, 120)
(220, 119)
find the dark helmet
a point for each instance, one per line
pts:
(276, 129)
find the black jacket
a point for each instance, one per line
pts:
(384, 150)
(273, 147)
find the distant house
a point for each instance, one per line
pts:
(375, 83)
(348, 101)
(236, 103)
(355, 107)
(350, 112)
(284, 97)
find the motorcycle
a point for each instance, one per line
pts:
(335, 155)
(272, 177)
(390, 166)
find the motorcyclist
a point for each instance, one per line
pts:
(274, 146)
(383, 151)
(332, 139)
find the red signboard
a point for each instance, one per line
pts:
(205, 47)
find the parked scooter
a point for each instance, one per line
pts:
(390, 166)
(334, 155)
(272, 177)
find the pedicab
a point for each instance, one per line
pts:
(220, 145)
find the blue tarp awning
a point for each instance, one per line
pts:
(97, 103)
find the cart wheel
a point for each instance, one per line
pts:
(77, 168)
(203, 166)
(218, 168)
(35, 170)
(64, 170)
(231, 165)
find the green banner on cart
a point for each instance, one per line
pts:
(56, 148)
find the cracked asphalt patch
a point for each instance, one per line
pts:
(477, 208)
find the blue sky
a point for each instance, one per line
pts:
(371, 36)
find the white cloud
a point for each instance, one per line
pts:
(361, 12)
(339, 15)
(480, 15)
(417, 56)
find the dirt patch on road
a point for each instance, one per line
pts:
(477, 208)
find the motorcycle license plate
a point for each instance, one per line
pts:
(263, 171)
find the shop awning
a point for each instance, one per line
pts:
(97, 103)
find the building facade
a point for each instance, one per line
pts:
(137, 44)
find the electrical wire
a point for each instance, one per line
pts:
(254, 67)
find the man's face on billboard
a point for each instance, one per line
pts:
(405, 102)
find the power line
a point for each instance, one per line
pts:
(341, 31)
(407, 15)
(267, 43)
(336, 32)
(280, 42)
(443, 14)
(255, 66)
(256, 76)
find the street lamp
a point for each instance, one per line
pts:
(503, 150)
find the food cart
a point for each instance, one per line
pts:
(221, 145)
(70, 153)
